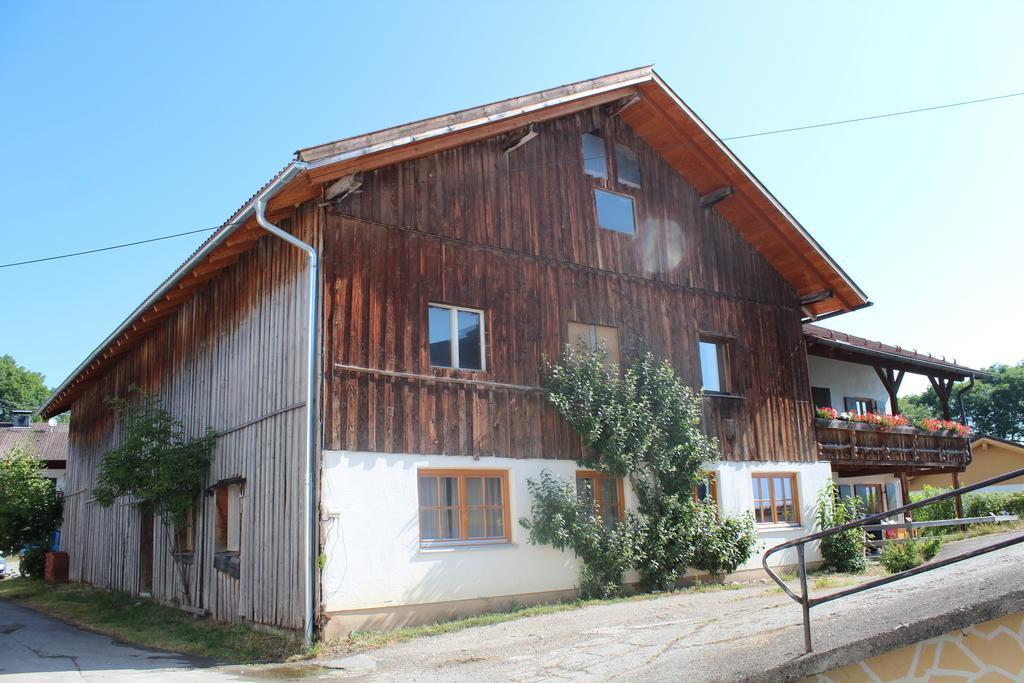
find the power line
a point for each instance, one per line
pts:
(777, 131)
(874, 116)
(111, 247)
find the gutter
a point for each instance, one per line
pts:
(259, 206)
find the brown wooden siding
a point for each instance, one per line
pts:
(232, 355)
(517, 237)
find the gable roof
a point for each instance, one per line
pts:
(645, 103)
(896, 356)
(986, 440)
(49, 442)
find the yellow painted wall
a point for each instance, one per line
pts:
(991, 459)
(990, 652)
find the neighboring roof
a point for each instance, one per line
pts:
(859, 349)
(49, 442)
(652, 110)
(996, 441)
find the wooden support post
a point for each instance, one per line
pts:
(891, 380)
(905, 493)
(943, 387)
(959, 500)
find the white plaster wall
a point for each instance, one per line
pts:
(736, 496)
(847, 379)
(59, 475)
(372, 543)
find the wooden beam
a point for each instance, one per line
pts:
(711, 198)
(943, 387)
(891, 380)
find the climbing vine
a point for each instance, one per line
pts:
(643, 423)
(157, 466)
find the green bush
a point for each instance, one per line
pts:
(899, 557)
(975, 505)
(930, 547)
(844, 551)
(721, 544)
(33, 562)
(560, 519)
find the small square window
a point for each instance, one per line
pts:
(615, 211)
(588, 337)
(627, 164)
(463, 507)
(859, 404)
(706, 489)
(822, 397)
(713, 366)
(595, 161)
(603, 494)
(456, 337)
(775, 500)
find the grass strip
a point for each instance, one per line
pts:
(146, 623)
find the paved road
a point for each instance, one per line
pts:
(752, 633)
(34, 647)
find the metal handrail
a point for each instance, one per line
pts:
(807, 602)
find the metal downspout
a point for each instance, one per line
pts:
(960, 399)
(311, 385)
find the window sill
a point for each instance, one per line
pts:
(469, 545)
(721, 394)
(227, 562)
(185, 557)
(776, 526)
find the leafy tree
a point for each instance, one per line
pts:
(30, 506)
(645, 424)
(20, 389)
(995, 407)
(157, 465)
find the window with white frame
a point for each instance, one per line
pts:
(456, 337)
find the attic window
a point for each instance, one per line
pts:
(627, 163)
(615, 211)
(595, 160)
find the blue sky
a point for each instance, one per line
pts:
(123, 121)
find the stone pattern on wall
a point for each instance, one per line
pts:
(990, 652)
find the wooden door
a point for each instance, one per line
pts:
(146, 553)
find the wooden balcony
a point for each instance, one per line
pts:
(860, 448)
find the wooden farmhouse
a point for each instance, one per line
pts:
(372, 474)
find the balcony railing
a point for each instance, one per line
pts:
(869, 445)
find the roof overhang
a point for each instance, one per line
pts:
(867, 352)
(656, 113)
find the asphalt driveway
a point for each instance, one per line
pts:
(35, 647)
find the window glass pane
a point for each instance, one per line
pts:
(470, 356)
(475, 523)
(428, 491)
(450, 523)
(609, 493)
(615, 212)
(495, 523)
(579, 336)
(429, 525)
(609, 338)
(494, 491)
(628, 164)
(440, 331)
(474, 491)
(585, 490)
(594, 161)
(450, 491)
(709, 366)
